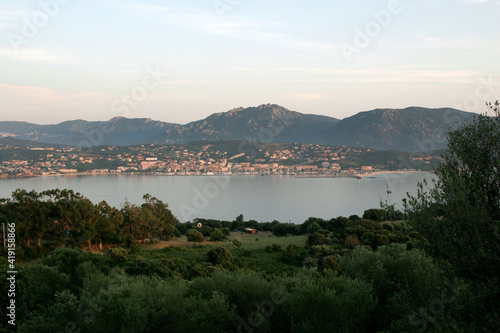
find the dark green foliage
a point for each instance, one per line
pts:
(460, 216)
(310, 262)
(214, 224)
(283, 229)
(374, 214)
(63, 217)
(70, 262)
(403, 280)
(310, 302)
(61, 316)
(194, 236)
(378, 290)
(313, 227)
(39, 285)
(149, 268)
(242, 289)
(117, 254)
(331, 262)
(273, 248)
(206, 230)
(184, 227)
(217, 235)
(220, 256)
(291, 248)
(316, 239)
(204, 269)
(313, 224)
(351, 241)
(139, 305)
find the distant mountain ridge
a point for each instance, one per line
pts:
(116, 131)
(413, 128)
(264, 123)
(401, 129)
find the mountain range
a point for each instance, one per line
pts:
(407, 129)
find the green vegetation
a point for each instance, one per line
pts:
(461, 216)
(433, 267)
(53, 218)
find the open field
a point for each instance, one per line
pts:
(249, 241)
(263, 239)
(251, 255)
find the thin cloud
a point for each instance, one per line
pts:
(10, 17)
(134, 8)
(36, 54)
(256, 31)
(45, 55)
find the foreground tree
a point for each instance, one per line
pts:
(32, 215)
(161, 220)
(460, 214)
(77, 215)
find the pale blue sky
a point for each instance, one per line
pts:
(85, 56)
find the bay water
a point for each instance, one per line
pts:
(261, 198)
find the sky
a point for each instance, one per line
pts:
(180, 61)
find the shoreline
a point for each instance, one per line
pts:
(364, 175)
(352, 175)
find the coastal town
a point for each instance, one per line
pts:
(202, 158)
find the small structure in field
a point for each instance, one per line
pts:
(251, 231)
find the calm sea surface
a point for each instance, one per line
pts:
(262, 198)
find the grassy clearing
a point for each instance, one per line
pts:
(252, 255)
(250, 241)
(262, 239)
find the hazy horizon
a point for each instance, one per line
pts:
(206, 116)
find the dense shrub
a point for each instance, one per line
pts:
(220, 256)
(316, 239)
(194, 236)
(148, 267)
(217, 235)
(117, 254)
